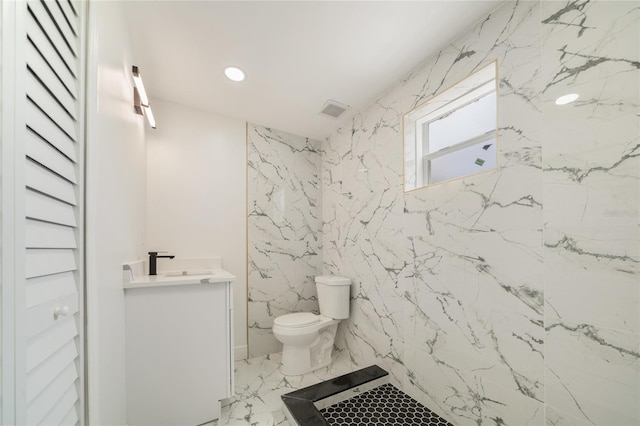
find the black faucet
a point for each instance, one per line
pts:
(153, 261)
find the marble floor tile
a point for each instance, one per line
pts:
(259, 385)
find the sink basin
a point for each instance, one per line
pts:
(186, 273)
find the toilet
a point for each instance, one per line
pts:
(308, 338)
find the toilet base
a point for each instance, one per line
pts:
(298, 360)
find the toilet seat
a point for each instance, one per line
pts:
(297, 320)
(307, 339)
(301, 324)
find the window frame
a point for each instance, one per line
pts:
(484, 82)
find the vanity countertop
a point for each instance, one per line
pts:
(201, 272)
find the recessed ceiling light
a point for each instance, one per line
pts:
(567, 99)
(234, 74)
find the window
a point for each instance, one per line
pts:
(453, 135)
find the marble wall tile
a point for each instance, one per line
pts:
(362, 223)
(284, 225)
(463, 287)
(591, 373)
(556, 417)
(591, 181)
(592, 276)
(466, 397)
(468, 252)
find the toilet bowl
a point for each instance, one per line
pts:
(307, 338)
(307, 341)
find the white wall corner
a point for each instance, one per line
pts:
(240, 353)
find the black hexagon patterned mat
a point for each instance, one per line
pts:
(382, 406)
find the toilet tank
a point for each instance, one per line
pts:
(334, 294)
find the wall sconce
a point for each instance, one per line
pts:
(140, 99)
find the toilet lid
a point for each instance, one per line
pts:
(300, 319)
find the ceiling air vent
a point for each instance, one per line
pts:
(333, 108)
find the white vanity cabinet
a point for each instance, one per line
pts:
(179, 343)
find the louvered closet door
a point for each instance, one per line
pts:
(53, 317)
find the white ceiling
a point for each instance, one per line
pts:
(296, 54)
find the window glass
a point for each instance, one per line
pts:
(474, 119)
(453, 135)
(463, 162)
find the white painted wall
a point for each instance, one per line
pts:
(1, 177)
(196, 193)
(116, 163)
